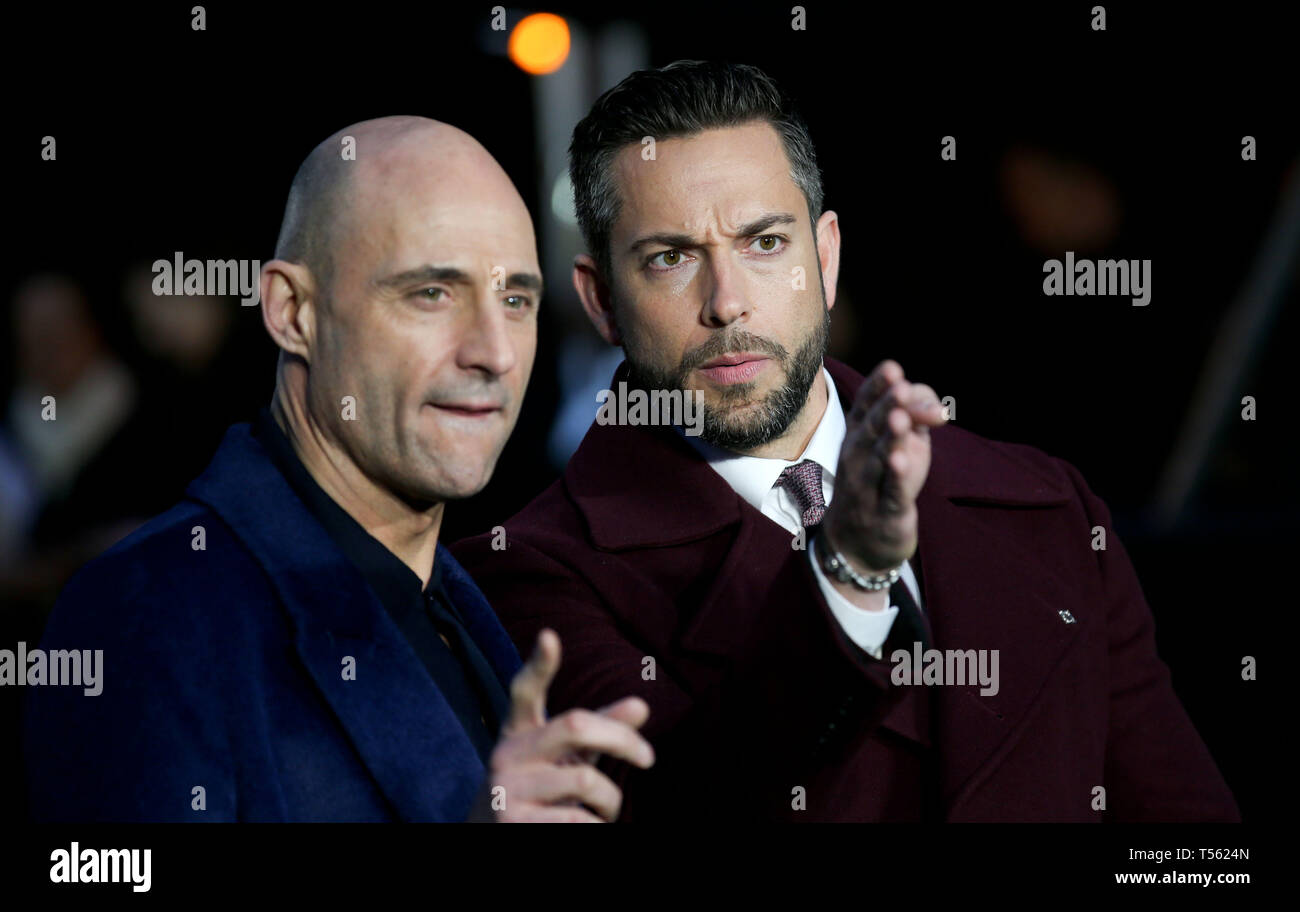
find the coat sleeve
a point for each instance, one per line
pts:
(155, 732)
(1157, 766)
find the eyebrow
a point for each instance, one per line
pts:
(757, 226)
(526, 280)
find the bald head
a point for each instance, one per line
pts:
(404, 297)
(329, 191)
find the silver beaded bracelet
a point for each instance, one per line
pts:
(837, 567)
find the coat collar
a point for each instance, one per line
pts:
(405, 731)
(641, 487)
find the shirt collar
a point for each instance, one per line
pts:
(752, 477)
(395, 583)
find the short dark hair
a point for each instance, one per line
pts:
(680, 99)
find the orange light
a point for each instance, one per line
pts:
(540, 43)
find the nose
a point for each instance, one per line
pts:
(487, 344)
(727, 300)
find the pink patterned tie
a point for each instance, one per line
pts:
(804, 482)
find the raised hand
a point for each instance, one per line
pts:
(547, 767)
(884, 460)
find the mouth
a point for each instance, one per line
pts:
(735, 368)
(470, 410)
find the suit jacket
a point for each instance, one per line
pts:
(223, 669)
(662, 582)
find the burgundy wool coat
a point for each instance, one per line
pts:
(662, 582)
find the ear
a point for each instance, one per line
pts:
(288, 311)
(595, 297)
(828, 252)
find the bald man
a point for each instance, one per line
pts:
(291, 642)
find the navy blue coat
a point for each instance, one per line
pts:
(223, 669)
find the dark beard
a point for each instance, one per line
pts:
(778, 409)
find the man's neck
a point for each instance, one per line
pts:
(409, 533)
(794, 441)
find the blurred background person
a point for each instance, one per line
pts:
(63, 424)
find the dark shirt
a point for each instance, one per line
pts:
(461, 672)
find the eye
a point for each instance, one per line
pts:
(668, 259)
(518, 302)
(768, 243)
(431, 294)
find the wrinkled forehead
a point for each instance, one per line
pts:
(430, 207)
(729, 171)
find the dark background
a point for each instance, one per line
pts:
(170, 139)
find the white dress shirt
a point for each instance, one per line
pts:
(754, 479)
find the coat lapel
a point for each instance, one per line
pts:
(646, 488)
(641, 488)
(404, 730)
(480, 620)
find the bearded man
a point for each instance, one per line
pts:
(776, 588)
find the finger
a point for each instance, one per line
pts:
(528, 689)
(582, 784)
(583, 730)
(879, 419)
(890, 454)
(885, 375)
(905, 407)
(913, 480)
(904, 463)
(579, 757)
(631, 711)
(898, 462)
(906, 450)
(923, 405)
(919, 400)
(891, 490)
